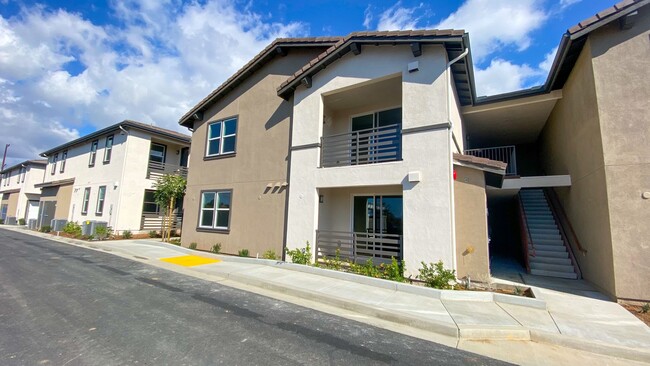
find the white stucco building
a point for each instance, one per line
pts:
(109, 176)
(19, 194)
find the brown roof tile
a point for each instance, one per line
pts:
(604, 14)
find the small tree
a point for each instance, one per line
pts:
(169, 189)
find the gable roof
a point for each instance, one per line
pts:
(154, 130)
(26, 162)
(277, 47)
(569, 49)
(454, 41)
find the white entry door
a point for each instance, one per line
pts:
(32, 210)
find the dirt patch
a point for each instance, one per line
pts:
(637, 310)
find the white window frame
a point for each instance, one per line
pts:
(221, 137)
(64, 156)
(164, 152)
(24, 173)
(215, 210)
(93, 152)
(86, 201)
(55, 158)
(108, 149)
(101, 198)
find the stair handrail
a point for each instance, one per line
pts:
(525, 234)
(561, 219)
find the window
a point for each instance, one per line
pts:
(64, 155)
(54, 159)
(108, 149)
(24, 173)
(20, 173)
(157, 153)
(101, 196)
(149, 206)
(215, 210)
(93, 152)
(84, 204)
(222, 137)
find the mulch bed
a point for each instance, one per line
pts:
(636, 310)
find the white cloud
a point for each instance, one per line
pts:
(398, 17)
(567, 3)
(160, 60)
(502, 76)
(367, 17)
(548, 61)
(493, 24)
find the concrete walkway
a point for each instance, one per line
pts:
(578, 318)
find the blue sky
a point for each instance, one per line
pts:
(70, 67)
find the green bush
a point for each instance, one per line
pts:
(2, 221)
(336, 263)
(175, 241)
(127, 234)
(46, 229)
(393, 271)
(154, 234)
(216, 249)
(645, 308)
(300, 255)
(21, 222)
(243, 253)
(101, 232)
(193, 246)
(435, 275)
(72, 228)
(270, 254)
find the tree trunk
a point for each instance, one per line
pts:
(171, 218)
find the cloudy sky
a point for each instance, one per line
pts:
(69, 67)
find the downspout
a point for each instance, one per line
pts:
(119, 196)
(452, 208)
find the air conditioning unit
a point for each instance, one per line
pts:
(32, 224)
(87, 227)
(58, 224)
(95, 224)
(11, 221)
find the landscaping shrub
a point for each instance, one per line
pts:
(435, 275)
(645, 308)
(72, 228)
(243, 253)
(127, 234)
(154, 234)
(2, 221)
(192, 246)
(101, 232)
(269, 254)
(21, 222)
(175, 241)
(216, 249)
(46, 229)
(300, 255)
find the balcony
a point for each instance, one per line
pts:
(506, 154)
(368, 146)
(358, 247)
(152, 221)
(155, 170)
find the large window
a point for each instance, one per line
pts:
(222, 136)
(108, 149)
(150, 206)
(24, 172)
(101, 197)
(64, 156)
(84, 204)
(215, 210)
(157, 153)
(93, 152)
(54, 159)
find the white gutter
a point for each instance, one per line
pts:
(452, 138)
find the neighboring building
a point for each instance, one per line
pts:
(109, 176)
(236, 190)
(19, 194)
(390, 153)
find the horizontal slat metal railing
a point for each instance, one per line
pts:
(506, 154)
(358, 247)
(154, 221)
(156, 170)
(372, 145)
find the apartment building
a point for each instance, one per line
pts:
(109, 176)
(387, 151)
(19, 195)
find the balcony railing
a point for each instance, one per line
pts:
(156, 170)
(358, 247)
(506, 154)
(369, 146)
(152, 221)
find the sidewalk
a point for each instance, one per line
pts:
(565, 318)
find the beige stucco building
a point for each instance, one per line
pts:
(109, 176)
(19, 195)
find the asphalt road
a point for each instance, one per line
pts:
(64, 305)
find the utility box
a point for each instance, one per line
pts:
(58, 224)
(11, 221)
(95, 224)
(87, 227)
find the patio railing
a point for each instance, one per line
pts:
(358, 247)
(369, 146)
(152, 221)
(156, 170)
(506, 154)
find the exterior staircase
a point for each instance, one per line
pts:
(547, 251)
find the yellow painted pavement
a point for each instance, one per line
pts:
(189, 260)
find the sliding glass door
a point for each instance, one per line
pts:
(377, 225)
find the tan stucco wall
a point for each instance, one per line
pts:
(571, 144)
(620, 63)
(11, 200)
(472, 254)
(263, 132)
(62, 195)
